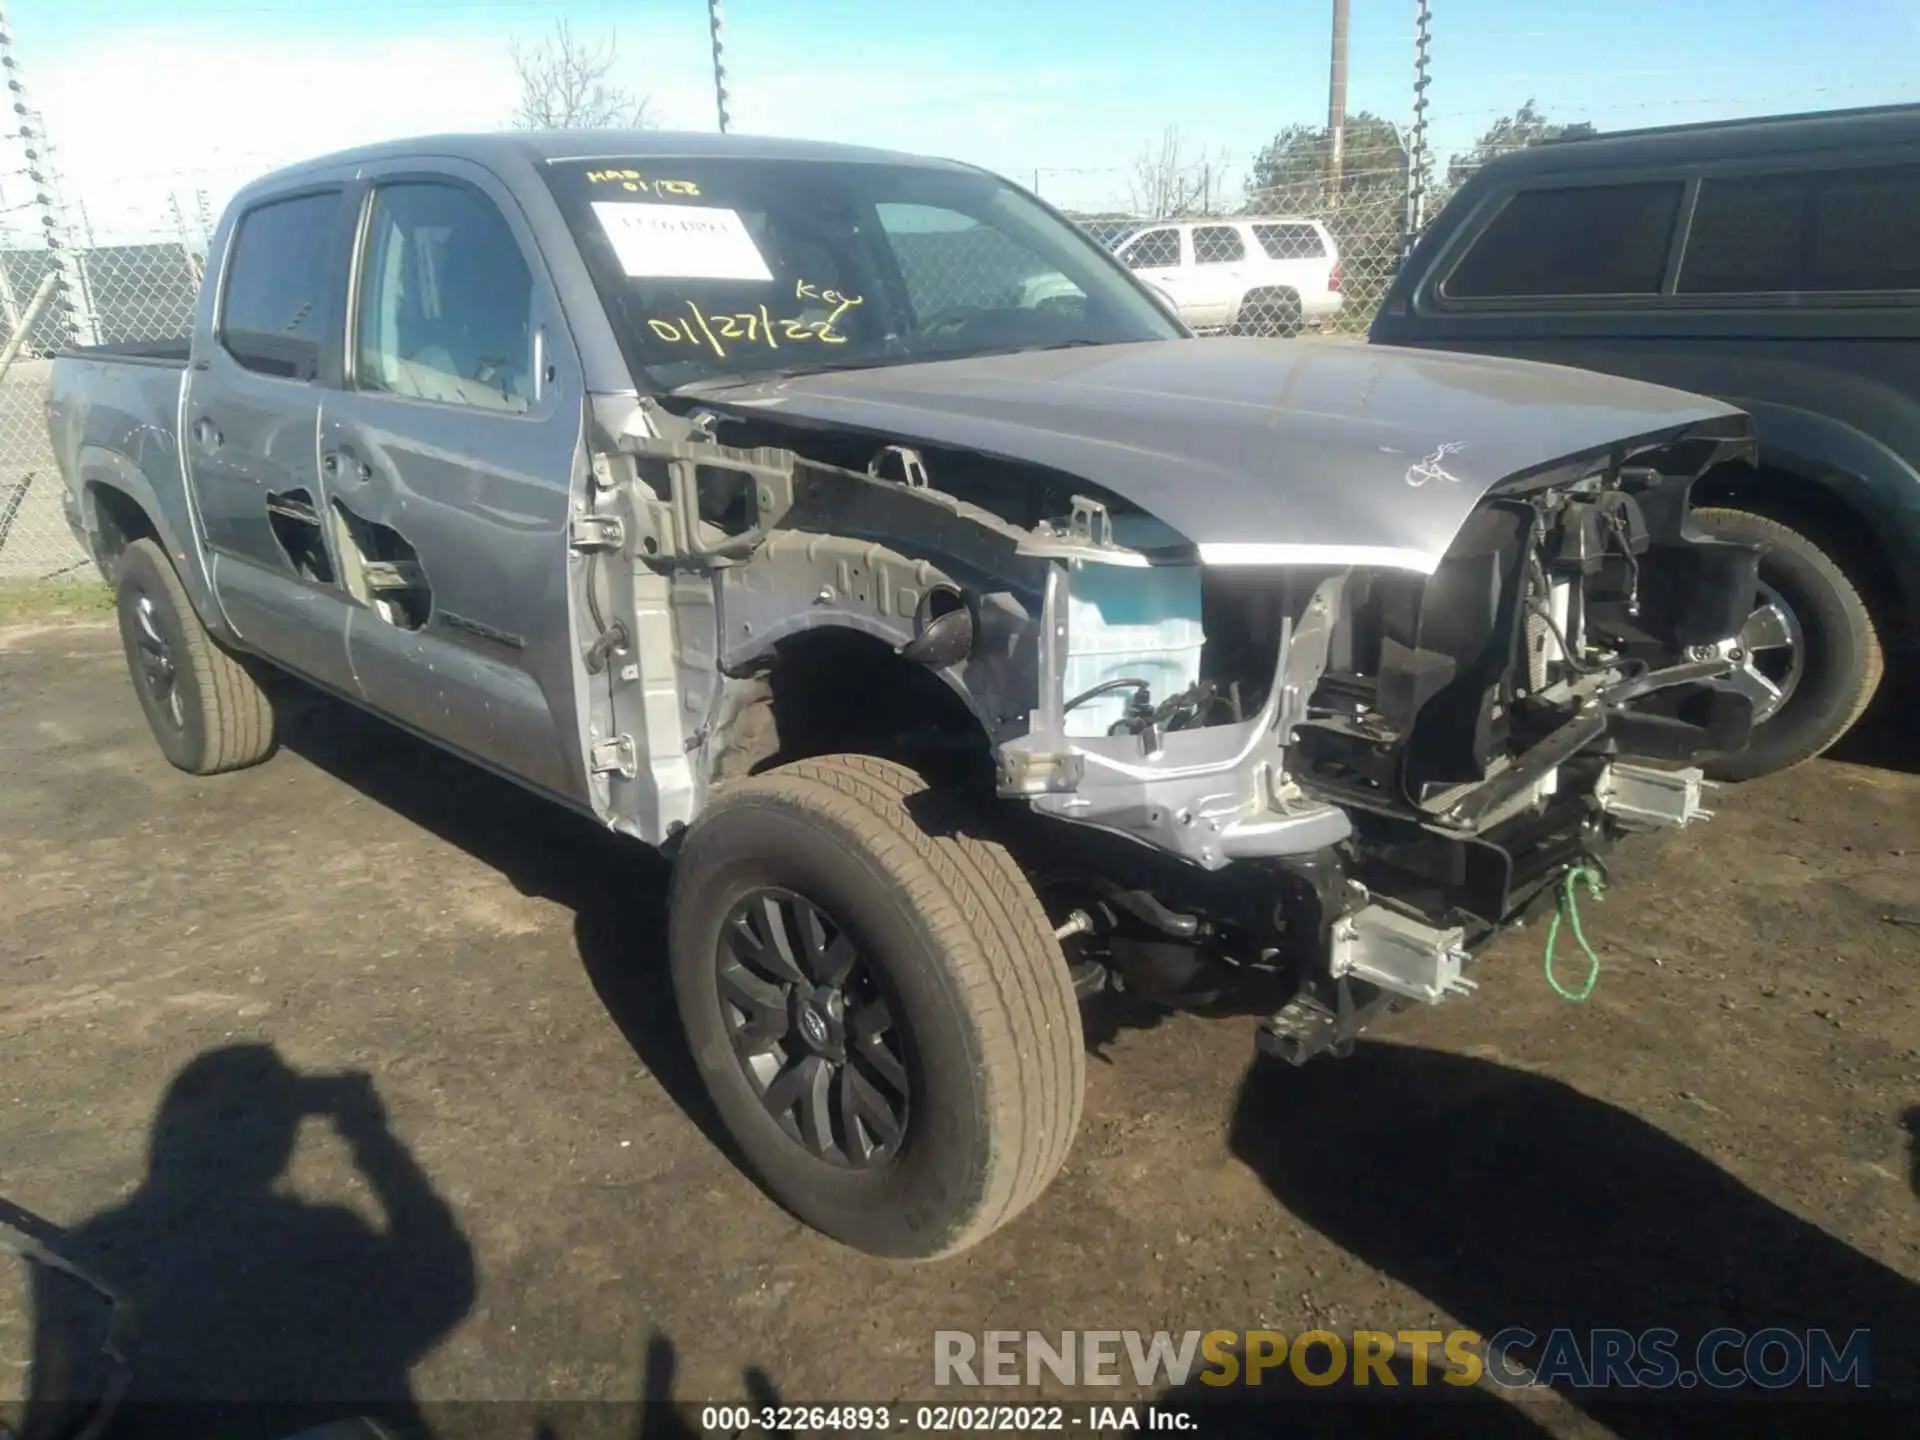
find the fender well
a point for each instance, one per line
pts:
(836, 689)
(120, 504)
(114, 520)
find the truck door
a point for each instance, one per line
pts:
(1154, 255)
(249, 426)
(1218, 276)
(451, 451)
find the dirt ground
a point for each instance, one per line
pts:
(1718, 1137)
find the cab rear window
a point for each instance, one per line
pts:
(273, 303)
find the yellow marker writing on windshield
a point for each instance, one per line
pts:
(757, 326)
(634, 181)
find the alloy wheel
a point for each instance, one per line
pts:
(813, 1030)
(157, 669)
(1769, 654)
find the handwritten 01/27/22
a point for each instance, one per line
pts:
(757, 326)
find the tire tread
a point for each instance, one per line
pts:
(235, 711)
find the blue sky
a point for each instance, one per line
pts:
(148, 100)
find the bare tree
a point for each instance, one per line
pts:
(564, 85)
(1166, 181)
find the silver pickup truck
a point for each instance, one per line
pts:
(858, 531)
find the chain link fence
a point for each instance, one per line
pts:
(126, 293)
(1308, 248)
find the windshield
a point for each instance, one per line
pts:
(718, 269)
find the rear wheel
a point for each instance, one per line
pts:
(1807, 657)
(206, 709)
(876, 1003)
(1273, 310)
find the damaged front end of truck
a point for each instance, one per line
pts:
(1291, 673)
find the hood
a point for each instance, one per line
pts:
(1261, 452)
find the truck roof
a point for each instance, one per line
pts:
(1765, 135)
(536, 147)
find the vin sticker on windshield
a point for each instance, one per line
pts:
(680, 242)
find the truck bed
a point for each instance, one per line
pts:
(114, 412)
(172, 352)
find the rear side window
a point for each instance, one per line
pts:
(1830, 231)
(1155, 250)
(1290, 242)
(1580, 240)
(1217, 245)
(273, 311)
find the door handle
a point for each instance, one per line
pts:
(337, 465)
(206, 434)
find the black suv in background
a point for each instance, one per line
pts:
(1771, 263)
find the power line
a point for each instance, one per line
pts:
(1769, 101)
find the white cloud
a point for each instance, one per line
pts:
(139, 117)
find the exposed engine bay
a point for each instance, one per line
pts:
(1329, 771)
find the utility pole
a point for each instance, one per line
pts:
(72, 313)
(1337, 104)
(719, 63)
(1417, 132)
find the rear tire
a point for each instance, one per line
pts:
(1273, 310)
(206, 710)
(948, 933)
(1840, 662)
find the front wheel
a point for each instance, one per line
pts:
(876, 1003)
(1808, 656)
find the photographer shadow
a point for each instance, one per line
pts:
(1409, 1400)
(1510, 1199)
(256, 1313)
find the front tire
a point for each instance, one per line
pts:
(876, 1003)
(206, 709)
(1809, 654)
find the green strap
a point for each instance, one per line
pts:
(1568, 908)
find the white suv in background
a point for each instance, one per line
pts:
(1248, 274)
